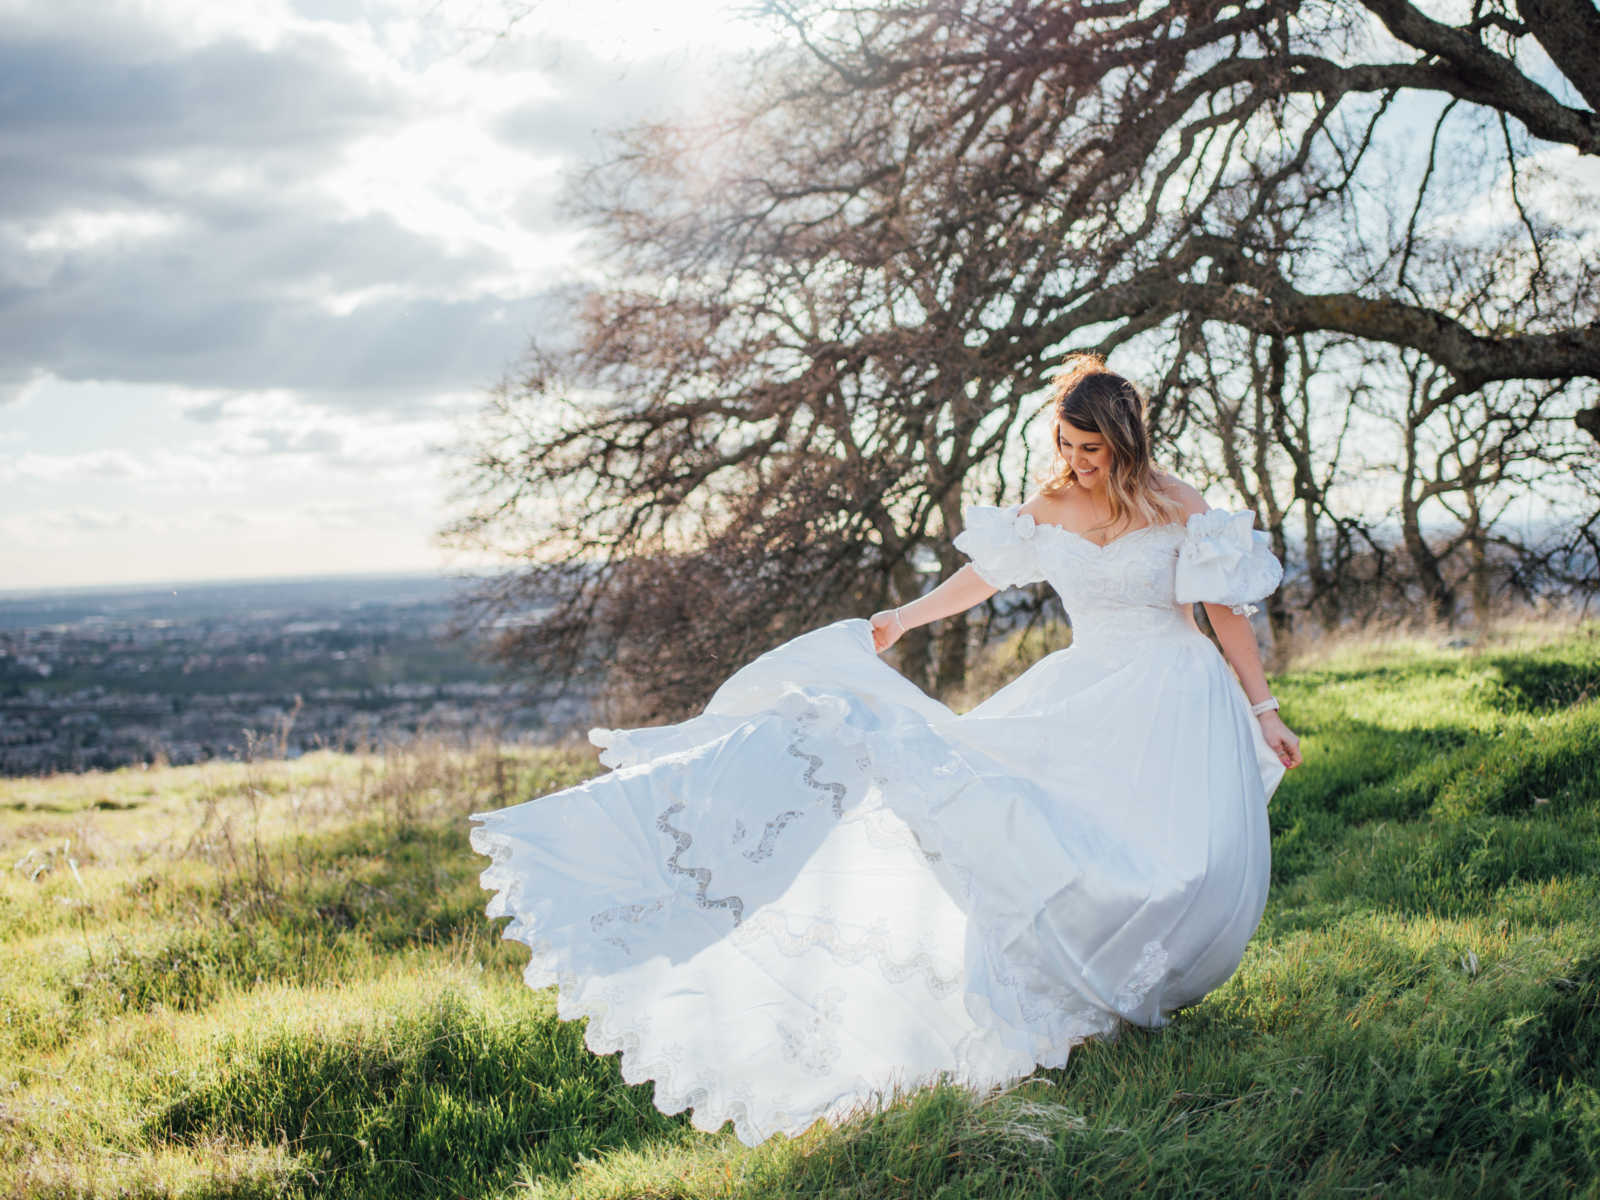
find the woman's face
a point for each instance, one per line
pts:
(1086, 453)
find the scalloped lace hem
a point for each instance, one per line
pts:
(998, 1052)
(613, 1028)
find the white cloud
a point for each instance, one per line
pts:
(20, 385)
(257, 259)
(347, 202)
(54, 468)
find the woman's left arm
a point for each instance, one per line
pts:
(1238, 642)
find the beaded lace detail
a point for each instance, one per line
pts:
(835, 791)
(1214, 557)
(681, 841)
(1147, 972)
(769, 836)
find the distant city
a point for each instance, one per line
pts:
(105, 677)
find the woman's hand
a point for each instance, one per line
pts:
(1283, 742)
(886, 629)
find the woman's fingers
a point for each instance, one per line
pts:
(1288, 749)
(883, 635)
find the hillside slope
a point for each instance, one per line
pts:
(268, 979)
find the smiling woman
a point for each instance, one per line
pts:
(828, 886)
(1104, 476)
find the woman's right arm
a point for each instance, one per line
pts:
(956, 594)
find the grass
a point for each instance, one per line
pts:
(275, 979)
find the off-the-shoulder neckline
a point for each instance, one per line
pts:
(1089, 541)
(1017, 514)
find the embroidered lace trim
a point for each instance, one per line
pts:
(1147, 972)
(701, 875)
(940, 976)
(614, 1024)
(769, 836)
(836, 791)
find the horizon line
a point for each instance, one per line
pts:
(169, 584)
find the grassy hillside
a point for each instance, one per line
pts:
(276, 979)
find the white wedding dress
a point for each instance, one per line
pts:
(828, 887)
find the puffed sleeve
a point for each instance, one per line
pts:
(1224, 559)
(1000, 543)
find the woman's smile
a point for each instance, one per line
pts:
(1084, 449)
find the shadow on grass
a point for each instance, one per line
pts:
(335, 907)
(1363, 774)
(1545, 681)
(453, 1099)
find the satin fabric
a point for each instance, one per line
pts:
(828, 887)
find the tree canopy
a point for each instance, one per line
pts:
(1337, 242)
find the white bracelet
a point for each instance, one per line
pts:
(1261, 706)
(899, 622)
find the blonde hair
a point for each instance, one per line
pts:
(1085, 394)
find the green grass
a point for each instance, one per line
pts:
(276, 979)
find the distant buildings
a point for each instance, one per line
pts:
(124, 681)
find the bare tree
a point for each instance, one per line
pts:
(829, 311)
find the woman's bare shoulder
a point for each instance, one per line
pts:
(1042, 507)
(1183, 493)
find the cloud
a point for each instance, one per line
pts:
(256, 214)
(256, 259)
(18, 384)
(272, 440)
(239, 302)
(206, 411)
(93, 520)
(165, 469)
(91, 119)
(593, 95)
(51, 468)
(88, 97)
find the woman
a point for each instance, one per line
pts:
(829, 887)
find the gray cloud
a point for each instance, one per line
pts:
(79, 118)
(206, 306)
(598, 95)
(13, 383)
(96, 520)
(220, 294)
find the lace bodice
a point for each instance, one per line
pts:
(1139, 583)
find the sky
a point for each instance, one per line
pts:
(259, 261)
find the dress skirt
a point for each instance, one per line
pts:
(828, 888)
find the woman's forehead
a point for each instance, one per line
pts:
(1066, 429)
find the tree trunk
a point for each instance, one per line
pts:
(952, 654)
(1480, 579)
(1438, 594)
(1324, 596)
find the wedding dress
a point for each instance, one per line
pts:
(828, 887)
